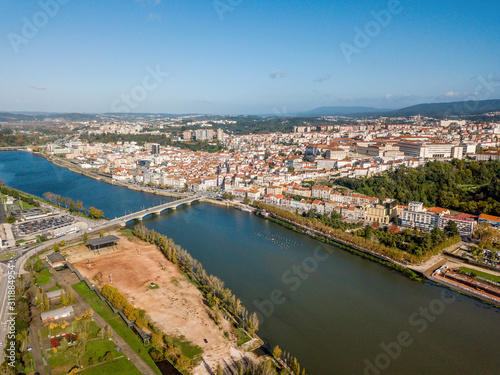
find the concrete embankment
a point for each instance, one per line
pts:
(77, 169)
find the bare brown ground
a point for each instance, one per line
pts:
(177, 306)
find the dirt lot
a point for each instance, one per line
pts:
(177, 307)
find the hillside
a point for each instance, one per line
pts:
(443, 110)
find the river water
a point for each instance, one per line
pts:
(338, 313)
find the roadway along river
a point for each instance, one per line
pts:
(338, 313)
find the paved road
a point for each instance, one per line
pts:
(35, 325)
(3, 308)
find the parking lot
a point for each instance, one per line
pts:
(42, 225)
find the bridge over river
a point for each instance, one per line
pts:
(156, 210)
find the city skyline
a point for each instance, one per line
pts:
(239, 57)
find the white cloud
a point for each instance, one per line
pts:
(452, 94)
(154, 16)
(278, 73)
(39, 87)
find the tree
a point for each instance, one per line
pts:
(157, 340)
(85, 237)
(101, 233)
(157, 355)
(183, 362)
(173, 352)
(108, 332)
(368, 232)
(45, 304)
(130, 311)
(451, 229)
(56, 247)
(64, 299)
(253, 323)
(11, 219)
(78, 350)
(277, 352)
(79, 206)
(108, 357)
(487, 235)
(95, 213)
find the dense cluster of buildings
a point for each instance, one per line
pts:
(273, 167)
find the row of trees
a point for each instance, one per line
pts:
(209, 284)
(411, 240)
(468, 186)
(121, 302)
(334, 220)
(292, 367)
(23, 318)
(73, 206)
(351, 239)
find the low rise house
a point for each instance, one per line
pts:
(56, 260)
(56, 314)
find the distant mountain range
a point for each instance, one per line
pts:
(437, 110)
(40, 116)
(462, 109)
(339, 111)
(441, 110)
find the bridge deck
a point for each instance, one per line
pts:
(155, 210)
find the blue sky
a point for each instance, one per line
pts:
(242, 56)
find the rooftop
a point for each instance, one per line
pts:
(102, 240)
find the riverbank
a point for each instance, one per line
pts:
(414, 272)
(390, 263)
(99, 177)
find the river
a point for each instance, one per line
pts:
(338, 313)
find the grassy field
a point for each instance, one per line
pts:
(7, 256)
(29, 361)
(62, 361)
(118, 366)
(96, 349)
(242, 337)
(43, 277)
(193, 352)
(481, 274)
(117, 324)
